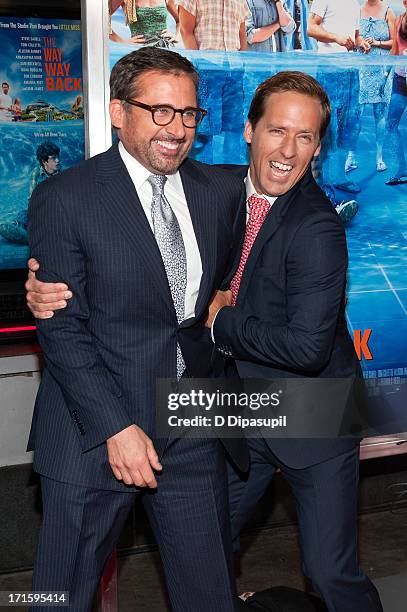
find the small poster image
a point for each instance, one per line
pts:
(41, 118)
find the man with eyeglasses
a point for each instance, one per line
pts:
(142, 236)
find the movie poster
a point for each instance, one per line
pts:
(359, 168)
(41, 118)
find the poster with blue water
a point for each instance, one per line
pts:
(362, 167)
(41, 118)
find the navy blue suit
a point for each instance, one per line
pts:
(104, 353)
(289, 321)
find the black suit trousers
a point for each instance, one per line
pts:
(190, 517)
(326, 500)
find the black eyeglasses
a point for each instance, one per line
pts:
(163, 114)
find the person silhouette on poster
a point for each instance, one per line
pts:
(202, 29)
(17, 110)
(6, 103)
(268, 24)
(147, 22)
(47, 154)
(77, 107)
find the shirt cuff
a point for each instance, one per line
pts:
(213, 323)
(289, 28)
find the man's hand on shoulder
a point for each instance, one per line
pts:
(219, 300)
(133, 458)
(44, 298)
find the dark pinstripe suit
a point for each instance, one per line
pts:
(104, 353)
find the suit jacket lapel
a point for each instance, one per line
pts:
(199, 196)
(119, 196)
(268, 229)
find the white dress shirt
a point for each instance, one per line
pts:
(174, 192)
(250, 190)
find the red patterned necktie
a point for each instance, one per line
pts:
(259, 208)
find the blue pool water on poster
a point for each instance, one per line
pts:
(18, 144)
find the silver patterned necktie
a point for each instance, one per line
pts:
(169, 239)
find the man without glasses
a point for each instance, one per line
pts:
(287, 321)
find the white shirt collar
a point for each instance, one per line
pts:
(250, 190)
(139, 174)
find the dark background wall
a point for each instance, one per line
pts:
(383, 486)
(36, 8)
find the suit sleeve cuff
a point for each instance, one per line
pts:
(220, 330)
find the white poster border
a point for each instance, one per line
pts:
(95, 57)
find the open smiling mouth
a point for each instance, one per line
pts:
(168, 145)
(279, 168)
